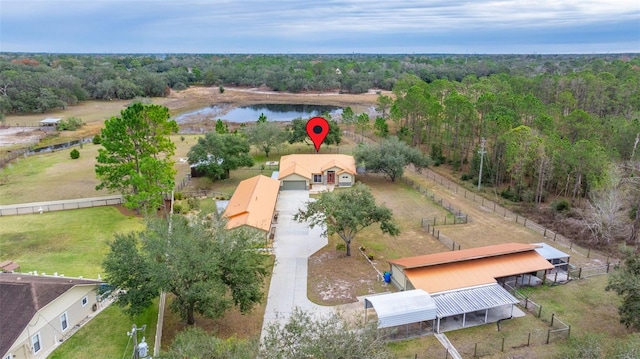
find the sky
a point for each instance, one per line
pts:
(321, 26)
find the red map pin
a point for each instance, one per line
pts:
(317, 129)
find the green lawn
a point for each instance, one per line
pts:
(105, 336)
(72, 242)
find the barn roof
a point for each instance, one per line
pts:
(401, 308)
(462, 255)
(253, 203)
(471, 273)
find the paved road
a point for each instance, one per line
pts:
(294, 243)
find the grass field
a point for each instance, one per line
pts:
(72, 242)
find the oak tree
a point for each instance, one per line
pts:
(207, 268)
(347, 212)
(389, 157)
(216, 154)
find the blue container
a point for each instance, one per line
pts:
(387, 277)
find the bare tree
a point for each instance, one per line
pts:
(604, 215)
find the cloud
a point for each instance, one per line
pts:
(304, 26)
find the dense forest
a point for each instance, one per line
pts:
(547, 126)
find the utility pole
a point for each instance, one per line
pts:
(483, 143)
(134, 335)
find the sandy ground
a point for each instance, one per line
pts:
(23, 129)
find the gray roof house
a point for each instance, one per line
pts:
(37, 313)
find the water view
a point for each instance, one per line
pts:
(274, 112)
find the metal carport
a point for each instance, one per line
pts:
(402, 308)
(469, 300)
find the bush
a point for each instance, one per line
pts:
(510, 194)
(97, 140)
(71, 124)
(221, 88)
(177, 208)
(178, 196)
(75, 154)
(561, 205)
(341, 247)
(193, 202)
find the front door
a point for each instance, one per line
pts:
(331, 177)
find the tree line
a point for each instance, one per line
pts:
(42, 82)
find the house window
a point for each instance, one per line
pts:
(317, 178)
(35, 343)
(64, 324)
(8, 356)
(85, 300)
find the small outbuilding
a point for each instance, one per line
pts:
(50, 122)
(401, 308)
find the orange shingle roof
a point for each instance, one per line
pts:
(307, 164)
(462, 255)
(253, 203)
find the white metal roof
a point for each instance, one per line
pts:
(51, 120)
(401, 308)
(549, 252)
(472, 299)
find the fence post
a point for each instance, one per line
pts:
(453, 246)
(580, 273)
(608, 265)
(526, 302)
(589, 252)
(540, 312)
(548, 335)
(475, 350)
(516, 218)
(438, 234)
(553, 315)
(502, 349)
(569, 332)
(525, 221)
(434, 220)
(545, 232)
(529, 339)
(554, 236)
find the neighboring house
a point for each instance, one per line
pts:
(469, 281)
(253, 204)
(38, 312)
(301, 172)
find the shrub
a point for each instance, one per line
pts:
(370, 256)
(71, 124)
(561, 205)
(341, 247)
(178, 196)
(75, 154)
(97, 139)
(194, 202)
(221, 88)
(177, 208)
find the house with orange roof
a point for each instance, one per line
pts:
(302, 171)
(253, 204)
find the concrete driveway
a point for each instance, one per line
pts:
(294, 243)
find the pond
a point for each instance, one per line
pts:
(274, 112)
